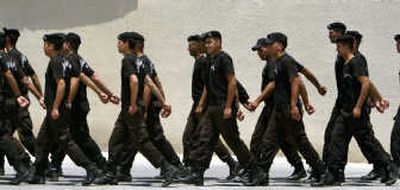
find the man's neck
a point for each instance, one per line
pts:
(9, 47)
(347, 57)
(216, 53)
(197, 56)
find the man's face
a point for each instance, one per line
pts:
(333, 35)
(343, 49)
(212, 45)
(122, 46)
(47, 48)
(264, 52)
(398, 46)
(194, 48)
(275, 48)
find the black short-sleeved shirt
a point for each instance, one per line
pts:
(129, 68)
(76, 67)
(144, 62)
(3, 69)
(268, 76)
(198, 78)
(243, 95)
(285, 70)
(81, 99)
(56, 70)
(23, 61)
(220, 66)
(299, 67)
(18, 74)
(351, 87)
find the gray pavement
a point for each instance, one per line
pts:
(143, 174)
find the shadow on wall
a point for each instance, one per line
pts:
(61, 14)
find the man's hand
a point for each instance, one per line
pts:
(166, 111)
(322, 90)
(248, 106)
(310, 109)
(357, 112)
(103, 98)
(254, 105)
(55, 114)
(227, 113)
(294, 111)
(42, 103)
(382, 105)
(114, 99)
(199, 110)
(240, 115)
(22, 101)
(132, 109)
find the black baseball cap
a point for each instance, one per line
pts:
(130, 36)
(337, 26)
(277, 37)
(196, 38)
(260, 43)
(212, 34)
(397, 37)
(54, 38)
(11, 32)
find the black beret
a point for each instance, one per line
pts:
(355, 34)
(212, 34)
(11, 32)
(337, 26)
(73, 38)
(130, 36)
(196, 38)
(261, 43)
(346, 38)
(277, 37)
(54, 38)
(397, 37)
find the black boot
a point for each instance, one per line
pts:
(233, 169)
(256, 177)
(22, 174)
(298, 173)
(171, 172)
(372, 175)
(327, 179)
(53, 174)
(2, 164)
(123, 175)
(36, 177)
(390, 174)
(195, 176)
(94, 176)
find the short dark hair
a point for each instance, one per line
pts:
(397, 37)
(195, 38)
(13, 34)
(337, 27)
(74, 40)
(57, 39)
(346, 39)
(356, 35)
(133, 38)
